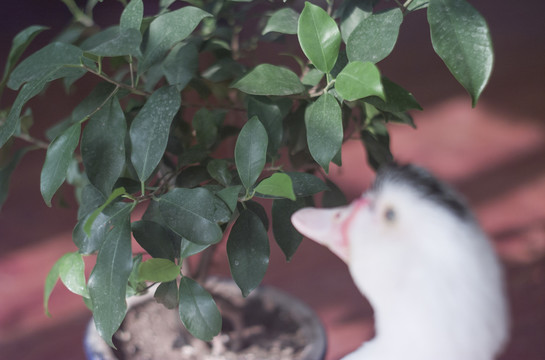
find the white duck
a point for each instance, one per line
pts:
(416, 252)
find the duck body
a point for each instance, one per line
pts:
(416, 252)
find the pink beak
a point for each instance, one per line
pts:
(329, 227)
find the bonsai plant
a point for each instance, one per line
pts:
(190, 124)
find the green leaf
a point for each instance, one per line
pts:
(198, 311)
(375, 37)
(190, 214)
(376, 140)
(305, 184)
(312, 77)
(108, 281)
(181, 65)
(57, 159)
(284, 233)
(168, 29)
(158, 270)
(150, 128)
(12, 122)
(397, 98)
(354, 12)
(167, 294)
(94, 215)
(207, 124)
(271, 113)
(266, 79)
(131, 18)
(319, 37)
(358, 80)
(50, 282)
(418, 5)
(251, 152)
(224, 69)
(334, 197)
(72, 273)
(259, 210)
(230, 196)
(51, 59)
(248, 251)
(114, 41)
(92, 102)
(188, 248)
(283, 21)
(103, 152)
(323, 121)
(219, 170)
(6, 171)
(460, 36)
(18, 46)
(157, 240)
(278, 184)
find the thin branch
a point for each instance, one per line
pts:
(112, 81)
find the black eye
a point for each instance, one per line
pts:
(390, 215)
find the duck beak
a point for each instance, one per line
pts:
(328, 227)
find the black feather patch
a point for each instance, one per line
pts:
(426, 184)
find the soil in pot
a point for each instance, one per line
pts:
(253, 328)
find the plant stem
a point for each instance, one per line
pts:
(101, 105)
(112, 81)
(79, 15)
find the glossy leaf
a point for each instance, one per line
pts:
(167, 294)
(283, 21)
(158, 270)
(18, 46)
(377, 144)
(284, 233)
(114, 41)
(57, 159)
(190, 214)
(72, 273)
(319, 37)
(150, 128)
(188, 248)
(358, 80)
(103, 152)
(312, 77)
(397, 98)
(374, 38)
(278, 184)
(6, 171)
(108, 281)
(334, 197)
(229, 195)
(353, 12)
(266, 79)
(198, 311)
(271, 113)
(305, 184)
(460, 36)
(50, 282)
(323, 121)
(181, 65)
(207, 124)
(131, 18)
(51, 59)
(418, 5)
(114, 195)
(91, 242)
(158, 241)
(168, 29)
(251, 151)
(219, 170)
(13, 120)
(248, 251)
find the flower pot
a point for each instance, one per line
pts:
(268, 324)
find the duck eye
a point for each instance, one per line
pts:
(390, 215)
